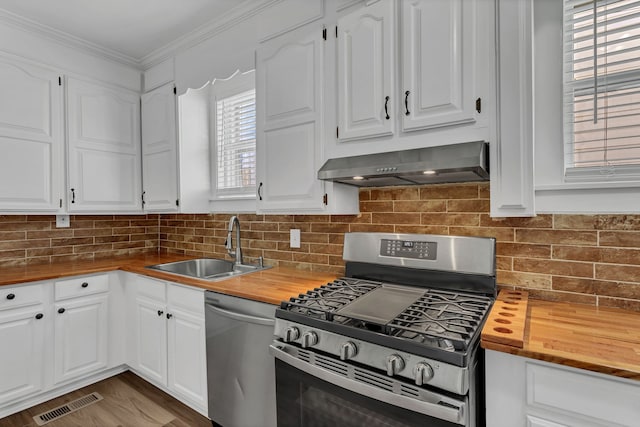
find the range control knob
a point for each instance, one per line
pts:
(309, 339)
(395, 364)
(348, 350)
(291, 334)
(423, 373)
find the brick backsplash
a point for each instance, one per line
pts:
(34, 239)
(591, 259)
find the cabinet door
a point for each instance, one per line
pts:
(438, 65)
(289, 122)
(151, 342)
(31, 137)
(104, 148)
(22, 355)
(187, 373)
(159, 150)
(366, 95)
(81, 337)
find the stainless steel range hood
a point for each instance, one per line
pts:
(468, 161)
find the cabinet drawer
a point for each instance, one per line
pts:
(577, 394)
(21, 296)
(79, 286)
(188, 299)
(150, 288)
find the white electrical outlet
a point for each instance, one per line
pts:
(294, 234)
(62, 221)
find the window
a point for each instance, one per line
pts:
(601, 89)
(234, 137)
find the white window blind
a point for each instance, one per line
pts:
(602, 89)
(236, 144)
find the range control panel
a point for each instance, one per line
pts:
(408, 249)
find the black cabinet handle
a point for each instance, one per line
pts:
(73, 195)
(143, 202)
(11, 296)
(169, 315)
(84, 284)
(260, 191)
(386, 106)
(160, 312)
(39, 316)
(406, 103)
(61, 310)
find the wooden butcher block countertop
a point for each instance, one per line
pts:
(599, 339)
(271, 286)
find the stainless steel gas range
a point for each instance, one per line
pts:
(395, 342)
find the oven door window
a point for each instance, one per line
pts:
(306, 401)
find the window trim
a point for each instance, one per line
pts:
(553, 194)
(237, 83)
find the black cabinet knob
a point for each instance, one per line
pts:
(11, 296)
(61, 310)
(160, 312)
(169, 315)
(85, 284)
(39, 316)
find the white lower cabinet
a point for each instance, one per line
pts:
(22, 334)
(81, 331)
(151, 332)
(169, 338)
(522, 392)
(84, 319)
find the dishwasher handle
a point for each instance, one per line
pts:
(241, 317)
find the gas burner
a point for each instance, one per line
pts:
(323, 302)
(449, 316)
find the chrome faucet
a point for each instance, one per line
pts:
(229, 242)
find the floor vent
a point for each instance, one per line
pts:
(63, 410)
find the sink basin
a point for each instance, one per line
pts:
(206, 268)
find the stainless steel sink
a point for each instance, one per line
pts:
(207, 268)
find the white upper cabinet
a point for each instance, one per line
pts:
(366, 63)
(103, 148)
(289, 122)
(438, 64)
(31, 137)
(159, 150)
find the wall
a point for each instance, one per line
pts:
(591, 259)
(34, 239)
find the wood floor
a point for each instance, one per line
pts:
(129, 401)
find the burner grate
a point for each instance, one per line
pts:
(452, 318)
(323, 302)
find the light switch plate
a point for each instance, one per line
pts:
(294, 234)
(62, 221)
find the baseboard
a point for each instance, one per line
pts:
(39, 398)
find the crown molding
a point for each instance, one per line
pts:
(65, 39)
(238, 14)
(242, 12)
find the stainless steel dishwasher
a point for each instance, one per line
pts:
(240, 371)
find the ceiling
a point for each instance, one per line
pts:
(133, 28)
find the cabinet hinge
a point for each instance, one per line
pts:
(324, 33)
(177, 202)
(175, 91)
(59, 81)
(325, 199)
(337, 132)
(479, 105)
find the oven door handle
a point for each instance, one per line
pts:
(448, 411)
